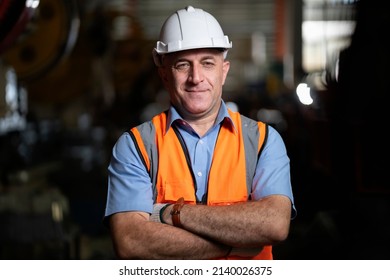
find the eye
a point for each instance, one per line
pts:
(208, 64)
(182, 66)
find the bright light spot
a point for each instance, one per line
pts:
(303, 92)
(32, 4)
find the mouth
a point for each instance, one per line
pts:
(196, 90)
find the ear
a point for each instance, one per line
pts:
(225, 70)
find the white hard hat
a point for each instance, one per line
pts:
(187, 29)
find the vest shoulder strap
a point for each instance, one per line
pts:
(143, 137)
(255, 135)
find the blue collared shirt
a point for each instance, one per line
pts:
(129, 186)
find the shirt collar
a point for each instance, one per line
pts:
(223, 117)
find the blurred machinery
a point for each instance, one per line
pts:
(34, 214)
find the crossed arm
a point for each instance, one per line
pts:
(208, 231)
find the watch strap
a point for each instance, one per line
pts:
(175, 213)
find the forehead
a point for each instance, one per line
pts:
(195, 53)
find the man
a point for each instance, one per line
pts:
(198, 181)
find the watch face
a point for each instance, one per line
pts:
(43, 35)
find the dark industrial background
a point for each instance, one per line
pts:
(75, 74)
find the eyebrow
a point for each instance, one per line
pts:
(205, 57)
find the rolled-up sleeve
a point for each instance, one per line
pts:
(273, 170)
(129, 184)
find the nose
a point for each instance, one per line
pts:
(196, 74)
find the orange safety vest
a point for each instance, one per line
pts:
(164, 155)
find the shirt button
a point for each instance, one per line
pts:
(199, 174)
(201, 141)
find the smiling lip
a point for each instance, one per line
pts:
(196, 90)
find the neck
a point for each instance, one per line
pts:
(201, 126)
(201, 123)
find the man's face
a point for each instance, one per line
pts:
(194, 79)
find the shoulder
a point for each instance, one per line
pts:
(273, 134)
(123, 144)
(275, 143)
